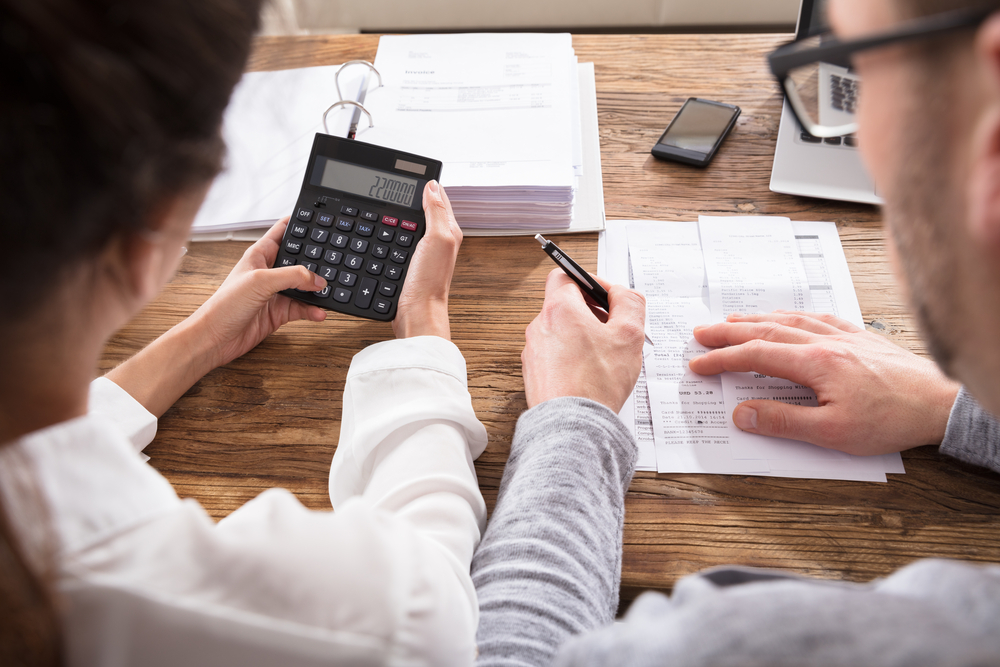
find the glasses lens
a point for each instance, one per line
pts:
(825, 95)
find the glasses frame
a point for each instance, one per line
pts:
(835, 51)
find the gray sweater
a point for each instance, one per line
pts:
(547, 573)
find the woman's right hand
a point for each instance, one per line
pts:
(423, 303)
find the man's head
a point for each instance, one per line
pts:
(930, 133)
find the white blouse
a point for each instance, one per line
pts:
(149, 579)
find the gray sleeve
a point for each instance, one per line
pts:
(931, 612)
(973, 434)
(549, 564)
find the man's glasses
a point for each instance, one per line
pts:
(817, 76)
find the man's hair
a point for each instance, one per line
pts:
(108, 108)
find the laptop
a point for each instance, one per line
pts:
(826, 168)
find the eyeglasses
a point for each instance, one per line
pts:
(817, 76)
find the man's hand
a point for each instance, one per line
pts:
(874, 397)
(423, 303)
(572, 351)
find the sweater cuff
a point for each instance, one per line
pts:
(972, 434)
(576, 425)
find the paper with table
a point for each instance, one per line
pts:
(512, 116)
(699, 272)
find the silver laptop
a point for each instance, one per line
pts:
(813, 167)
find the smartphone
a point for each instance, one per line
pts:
(696, 132)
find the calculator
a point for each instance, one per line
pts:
(357, 222)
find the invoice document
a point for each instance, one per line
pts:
(697, 273)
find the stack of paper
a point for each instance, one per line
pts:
(697, 273)
(501, 111)
(513, 117)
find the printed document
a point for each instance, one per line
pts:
(697, 273)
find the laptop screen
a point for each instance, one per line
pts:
(812, 18)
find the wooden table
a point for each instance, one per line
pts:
(272, 418)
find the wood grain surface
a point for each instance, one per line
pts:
(272, 418)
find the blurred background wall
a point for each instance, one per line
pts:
(331, 16)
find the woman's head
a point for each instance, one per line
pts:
(109, 120)
(110, 108)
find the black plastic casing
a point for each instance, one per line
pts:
(321, 199)
(696, 158)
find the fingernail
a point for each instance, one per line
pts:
(318, 281)
(699, 327)
(433, 187)
(734, 316)
(745, 419)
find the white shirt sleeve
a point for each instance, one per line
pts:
(110, 401)
(389, 568)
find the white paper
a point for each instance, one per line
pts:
(691, 415)
(269, 129)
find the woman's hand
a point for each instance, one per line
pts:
(423, 303)
(247, 308)
(242, 313)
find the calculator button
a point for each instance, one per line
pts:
(304, 214)
(354, 262)
(293, 247)
(339, 240)
(298, 230)
(324, 219)
(387, 235)
(387, 289)
(347, 278)
(333, 257)
(393, 272)
(389, 220)
(345, 225)
(373, 267)
(398, 256)
(342, 295)
(319, 235)
(368, 215)
(382, 306)
(310, 265)
(365, 229)
(314, 252)
(287, 261)
(349, 210)
(404, 239)
(366, 292)
(380, 251)
(323, 293)
(328, 272)
(409, 226)
(359, 245)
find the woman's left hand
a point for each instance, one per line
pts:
(247, 307)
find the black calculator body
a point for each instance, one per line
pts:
(357, 222)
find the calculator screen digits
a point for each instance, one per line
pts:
(356, 180)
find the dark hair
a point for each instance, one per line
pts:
(107, 109)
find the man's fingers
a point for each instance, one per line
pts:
(737, 333)
(557, 280)
(804, 321)
(627, 306)
(758, 356)
(774, 418)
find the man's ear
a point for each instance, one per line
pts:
(984, 178)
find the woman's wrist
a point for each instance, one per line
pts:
(430, 319)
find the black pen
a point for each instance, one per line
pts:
(587, 283)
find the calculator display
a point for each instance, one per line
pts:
(356, 180)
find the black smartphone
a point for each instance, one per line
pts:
(696, 132)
